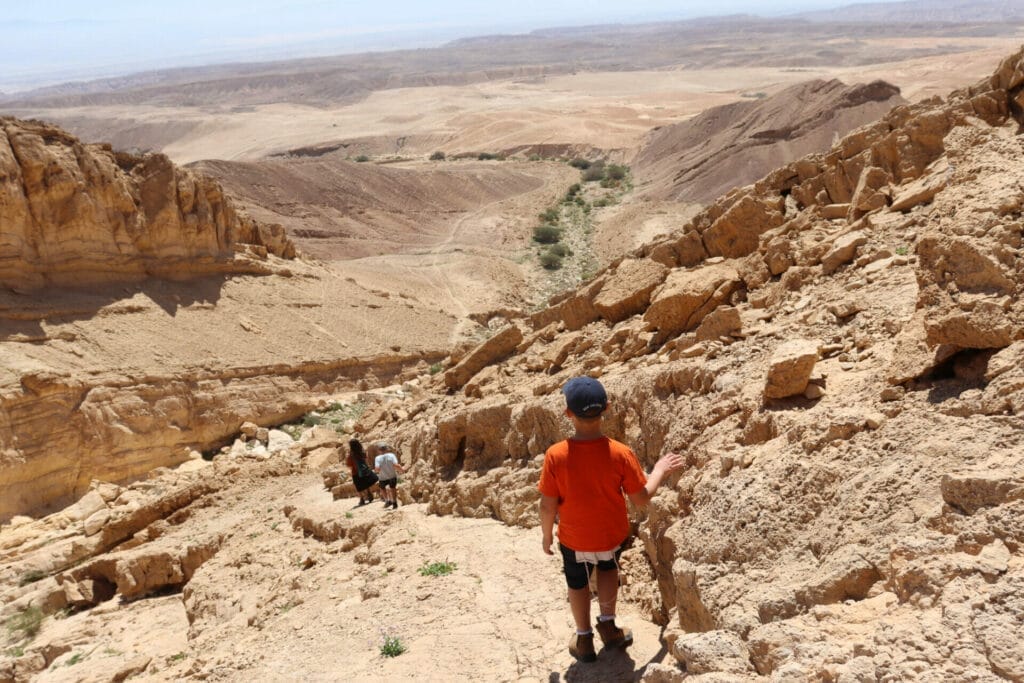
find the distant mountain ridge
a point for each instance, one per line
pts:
(736, 144)
(916, 11)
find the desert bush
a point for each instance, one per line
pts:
(560, 249)
(546, 234)
(437, 156)
(362, 158)
(615, 172)
(550, 260)
(581, 164)
(550, 215)
(437, 568)
(487, 156)
(573, 190)
(26, 623)
(593, 174)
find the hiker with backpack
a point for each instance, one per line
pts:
(362, 476)
(582, 483)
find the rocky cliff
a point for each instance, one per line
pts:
(76, 214)
(143, 318)
(838, 350)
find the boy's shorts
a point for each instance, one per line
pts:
(577, 574)
(393, 482)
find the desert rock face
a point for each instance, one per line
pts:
(839, 525)
(75, 214)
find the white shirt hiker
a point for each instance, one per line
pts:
(385, 465)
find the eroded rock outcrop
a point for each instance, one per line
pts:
(75, 214)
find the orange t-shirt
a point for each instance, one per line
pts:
(589, 478)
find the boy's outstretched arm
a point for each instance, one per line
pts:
(670, 462)
(548, 510)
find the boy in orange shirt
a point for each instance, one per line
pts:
(583, 481)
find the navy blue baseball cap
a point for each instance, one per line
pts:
(585, 397)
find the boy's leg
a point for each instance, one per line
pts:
(579, 603)
(607, 590)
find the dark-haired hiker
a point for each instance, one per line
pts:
(362, 476)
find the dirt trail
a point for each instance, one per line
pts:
(275, 604)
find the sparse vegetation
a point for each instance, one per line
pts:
(31, 576)
(391, 646)
(437, 156)
(550, 215)
(550, 260)
(535, 157)
(436, 368)
(75, 659)
(26, 623)
(362, 158)
(902, 251)
(547, 234)
(488, 156)
(437, 568)
(581, 164)
(177, 658)
(560, 250)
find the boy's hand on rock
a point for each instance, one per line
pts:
(670, 462)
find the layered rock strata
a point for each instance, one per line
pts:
(73, 214)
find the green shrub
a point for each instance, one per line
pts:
(615, 172)
(573, 190)
(312, 420)
(438, 568)
(550, 260)
(593, 174)
(535, 157)
(436, 368)
(391, 647)
(362, 158)
(547, 234)
(437, 156)
(560, 250)
(581, 164)
(550, 215)
(26, 623)
(486, 156)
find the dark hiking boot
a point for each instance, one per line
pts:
(582, 647)
(614, 637)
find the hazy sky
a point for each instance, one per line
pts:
(48, 40)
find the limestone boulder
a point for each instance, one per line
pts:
(687, 296)
(790, 368)
(495, 349)
(843, 251)
(713, 651)
(737, 232)
(628, 290)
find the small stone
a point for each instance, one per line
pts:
(893, 393)
(814, 392)
(875, 420)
